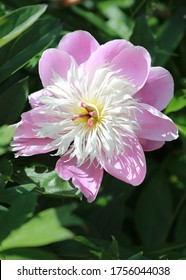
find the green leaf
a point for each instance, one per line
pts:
(6, 169)
(50, 183)
(13, 24)
(6, 134)
(13, 100)
(169, 37)
(27, 254)
(26, 47)
(120, 3)
(9, 195)
(136, 256)
(142, 35)
(182, 129)
(95, 20)
(66, 216)
(118, 21)
(112, 252)
(154, 210)
(18, 213)
(3, 211)
(177, 103)
(43, 229)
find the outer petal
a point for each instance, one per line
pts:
(154, 125)
(129, 167)
(85, 177)
(150, 145)
(34, 98)
(30, 146)
(158, 90)
(79, 44)
(25, 141)
(106, 53)
(134, 64)
(53, 61)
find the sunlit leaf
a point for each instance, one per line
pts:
(16, 22)
(118, 21)
(45, 228)
(27, 46)
(6, 134)
(177, 103)
(95, 20)
(50, 183)
(19, 212)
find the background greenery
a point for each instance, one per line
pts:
(41, 217)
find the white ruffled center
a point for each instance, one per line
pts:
(92, 114)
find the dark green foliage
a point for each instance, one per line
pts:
(44, 217)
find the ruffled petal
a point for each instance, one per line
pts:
(53, 62)
(158, 89)
(129, 167)
(34, 98)
(154, 125)
(25, 141)
(79, 44)
(31, 146)
(86, 177)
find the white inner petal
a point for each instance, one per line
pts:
(92, 117)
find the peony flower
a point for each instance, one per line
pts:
(99, 109)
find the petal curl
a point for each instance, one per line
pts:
(134, 64)
(85, 177)
(150, 145)
(53, 61)
(25, 141)
(154, 125)
(129, 167)
(79, 44)
(34, 98)
(105, 54)
(158, 89)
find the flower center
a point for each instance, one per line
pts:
(89, 113)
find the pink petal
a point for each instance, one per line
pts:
(106, 53)
(79, 44)
(129, 167)
(85, 177)
(31, 146)
(154, 125)
(134, 64)
(53, 61)
(25, 140)
(150, 145)
(34, 98)
(158, 90)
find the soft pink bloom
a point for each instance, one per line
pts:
(99, 109)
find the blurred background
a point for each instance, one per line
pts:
(41, 216)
